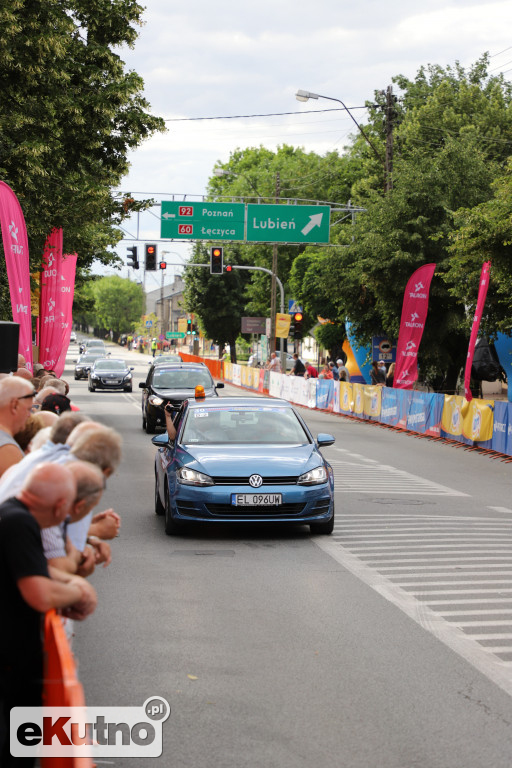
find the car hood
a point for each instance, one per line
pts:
(244, 460)
(179, 394)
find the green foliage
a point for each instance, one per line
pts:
(118, 303)
(331, 336)
(217, 300)
(69, 115)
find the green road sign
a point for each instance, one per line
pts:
(174, 335)
(288, 223)
(202, 221)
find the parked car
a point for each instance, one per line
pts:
(244, 460)
(110, 373)
(84, 364)
(90, 343)
(72, 338)
(172, 383)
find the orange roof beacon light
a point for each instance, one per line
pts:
(199, 392)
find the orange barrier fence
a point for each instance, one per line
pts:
(214, 366)
(61, 685)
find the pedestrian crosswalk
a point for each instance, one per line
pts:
(451, 573)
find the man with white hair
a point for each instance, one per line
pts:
(16, 399)
(28, 588)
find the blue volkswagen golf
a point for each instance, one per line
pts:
(243, 460)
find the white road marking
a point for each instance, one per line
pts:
(505, 510)
(451, 635)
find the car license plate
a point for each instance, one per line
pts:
(113, 381)
(256, 499)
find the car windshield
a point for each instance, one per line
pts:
(89, 358)
(111, 365)
(242, 424)
(167, 359)
(95, 344)
(180, 378)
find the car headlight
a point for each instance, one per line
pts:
(128, 376)
(94, 376)
(313, 477)
(192, 477)
(155, 400)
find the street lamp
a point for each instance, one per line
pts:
(306, 95)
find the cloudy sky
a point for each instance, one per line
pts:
(207, 59)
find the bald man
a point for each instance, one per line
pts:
(16, 400)
(28, 588)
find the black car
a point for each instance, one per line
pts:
(85, 363)
(110, 373)
(90, 345)
(172, 383)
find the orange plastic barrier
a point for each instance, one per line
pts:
(61, 685)
(214, 366)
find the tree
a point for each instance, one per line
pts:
(454, 136)
(118, 303)
(69, 115)
(218, 300)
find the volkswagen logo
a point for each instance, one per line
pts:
(255, 481)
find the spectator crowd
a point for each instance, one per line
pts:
(54, 465)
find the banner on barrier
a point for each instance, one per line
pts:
(346, 397)
(425, 413)
(477, 424)
(358, 399)
(372, 401)
(502, 428)
(324, 393)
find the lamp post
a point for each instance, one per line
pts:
(306, 95)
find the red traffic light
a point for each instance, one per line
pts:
(228, 267)
(163, 265)
(297, 317)
(150, 249)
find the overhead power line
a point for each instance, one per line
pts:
(242, 117)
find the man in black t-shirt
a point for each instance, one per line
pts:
(28, 588)
(299, 369)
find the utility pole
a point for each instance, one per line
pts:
(389, 123)
(273, 302)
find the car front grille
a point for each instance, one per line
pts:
(229, 510)
(278, 480)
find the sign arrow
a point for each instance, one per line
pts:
(314, 221)
(168, 216)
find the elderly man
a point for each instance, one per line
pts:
(63, 555)
(274, 364)
(28, 588)
(16, 399)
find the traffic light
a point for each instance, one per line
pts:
(216, 261)
(298, 330)
(150, 257)
(163, 265)
(133, 259)
(189, 326)
(228, 268)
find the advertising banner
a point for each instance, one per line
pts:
(502, 428)
(372, 402)
(324, 393)
(50, 329)
(477, 424)
(346, 397)
(414, 315)
(425, 412)
(282, 325)
(15, 241)
(390, 406)
(451, 422)
(482, 295)
(66, 293)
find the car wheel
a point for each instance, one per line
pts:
(322, 529)
(172, 528)
(143, 421)
(76, 378)
(128, 389)
(150, 426)
(91, 388)
(159, 507)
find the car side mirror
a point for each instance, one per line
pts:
(75, 361)
(132, 369)
(220, 385)
(160, 440)
(323, 439)
(142, 385)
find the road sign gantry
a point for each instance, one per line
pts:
(252, 223)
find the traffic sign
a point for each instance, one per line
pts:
(149, 323)
(293, 307)
(202, 221)
(288, 223)
(174, 335)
